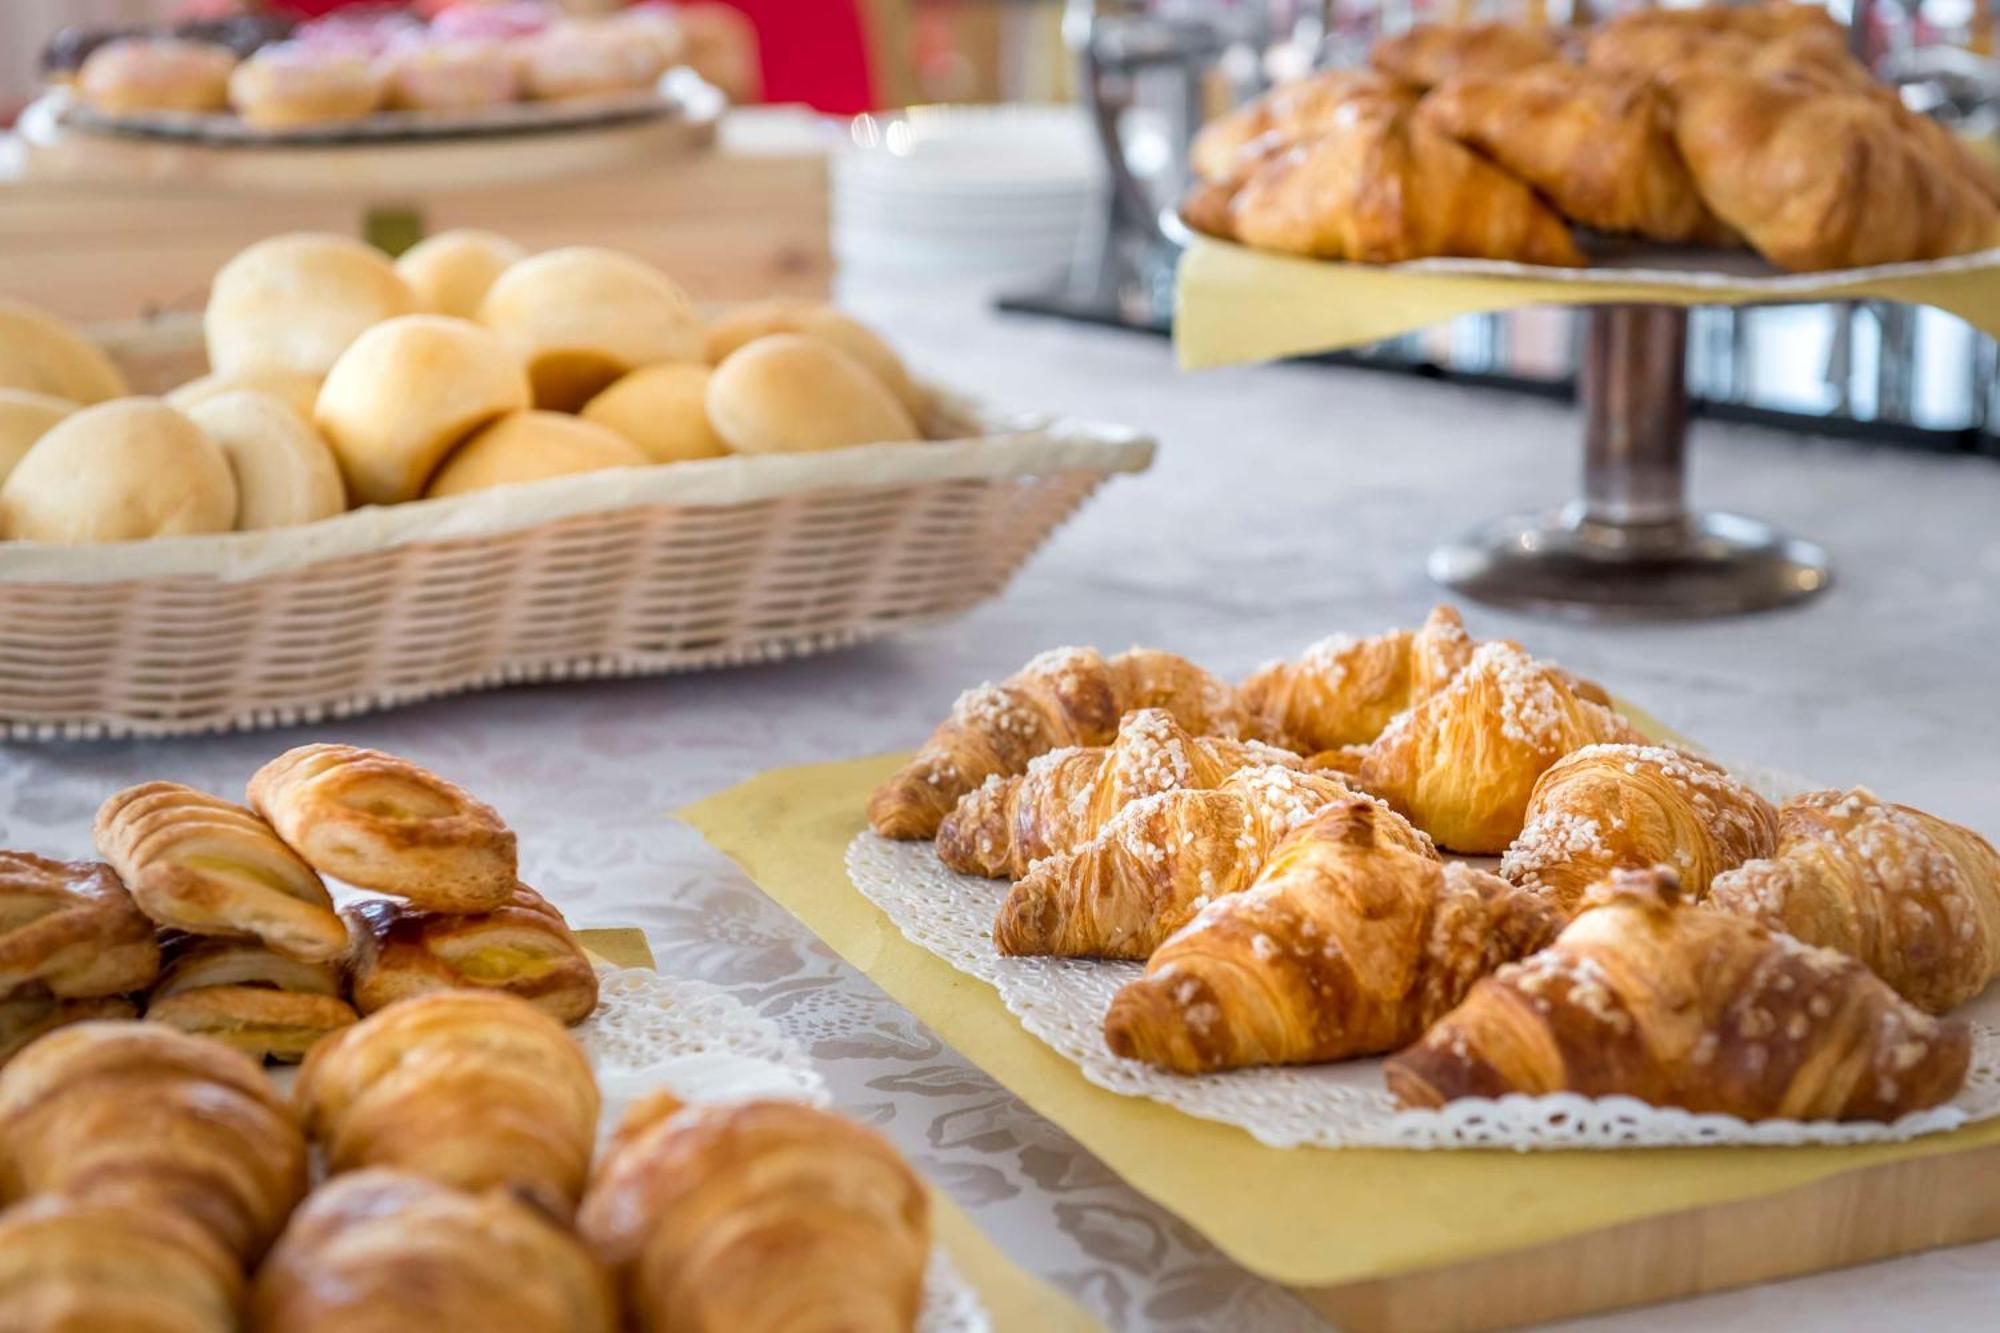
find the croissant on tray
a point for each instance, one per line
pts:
(1065, 697)
(1914, 897)
(1351, 941)
(71, 1265)
(1431, 53)
(1645, 996)
(1287, 114)
(1762, 39)
(1609, 806)
(1343, 691)
(1066, 796)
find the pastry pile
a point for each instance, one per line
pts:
(1718, 126)
(213, 918)
(1273, 852)
(338, 378)
(158, 1180)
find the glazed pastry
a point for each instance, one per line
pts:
(523, 947)
(1162, 859)
(787, 393)
(470, 1088)
(295, 302)
(1431, 53)
(382, 823)
(452, 271)
(1288, 114)
(87, 1266)
(1597, 145)
(1760, 38)
(140, 75)
(1352, 941)
(285, 473)
(240, 993)
(292, 86)
(1343, 691)
(532, 446)
(1634, 806)
(1067, 796)
(381, 1250)
(815, 319)
(296, 390)
(200, 864)
(662, 409)
(41, 354)
(28, 1015)
(1912, 896)
(69, 929)
(26, 416)
(138, 1113)
(452, 76)
(1645, 996)
(581, 59)
(121, 471)
(1067, 696)
(758, 1217)
(1463, 763)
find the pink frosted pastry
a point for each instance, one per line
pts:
(585, 59)
(290, 85)
(491, 22)
(459, 75)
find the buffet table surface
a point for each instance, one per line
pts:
(1287, 502)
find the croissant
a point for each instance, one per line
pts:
(523, 947)
(1760, 39)
(200, 864)
(1158, 862)
(26, 1017)
(1430, 53)
(72, 1265)
(385, 1250)
(1598, 145)
(471, 1088)
(1343, 691)
(383, 823)
(1462, 764)
(1285, 115)
(1068, 696)
(1066, 796)
(1915, 898)
(68, 928)
(265, 1005)
(137, 1113)
(1607, 806)
(758, 1217)
(1644, 996)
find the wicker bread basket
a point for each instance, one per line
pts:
(615, 573)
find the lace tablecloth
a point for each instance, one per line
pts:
(1288, 502)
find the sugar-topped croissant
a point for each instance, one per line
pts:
(265, 1005)
(1430, 53)
(1067, 696)
(69, 929)
(1158, 862)
(1607, 806)
(1287, 114)
(1066, 796)
(72, 1265)
(1914, 897)
(1343, 690)
(1462, 763)
(1352, 940)
(523, 947)
(759, 1217)
(1645, 996)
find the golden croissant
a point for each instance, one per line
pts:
(1351, 941)
(759, 1217)
(1158, 862)
(1285, 115)
(71, 1265)
(1066, 796)
(523, 947)
(1067, 696)
(1912, 896)
(1609, 806)
(1462, 764)
(265, 1005)
(1342, 691)
(1430, 53)
(1645, 996)
(1760, 39)
(69, 929)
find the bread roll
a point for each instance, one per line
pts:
(288, 85)
(581, 317)
(451, 271)
(119, 471)
(295, 390)
(662, 409)
(285, 473)
(140, 74)
(790, 394)
(41, 353)
(816, 319)
(406, 393)
(295, 302)
(26, 416)
(532, 446)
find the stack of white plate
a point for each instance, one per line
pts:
(945, 191)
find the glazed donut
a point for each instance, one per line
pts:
(140, 74)
(290, 85)
(493, 22)
(452, 76)
(579, 59)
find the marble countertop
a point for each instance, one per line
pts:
(1287, 502)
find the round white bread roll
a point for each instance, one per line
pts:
(792, 394)
(295, 302)
(663, 409)
(26, 416)
(295, 390)
(451, 271)
(285, 474)
(287, 86)
(120, 471)
(406, 394)
(141, 74)
(816, 319)
(532, 446)
(40, 353)
(580, 317)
